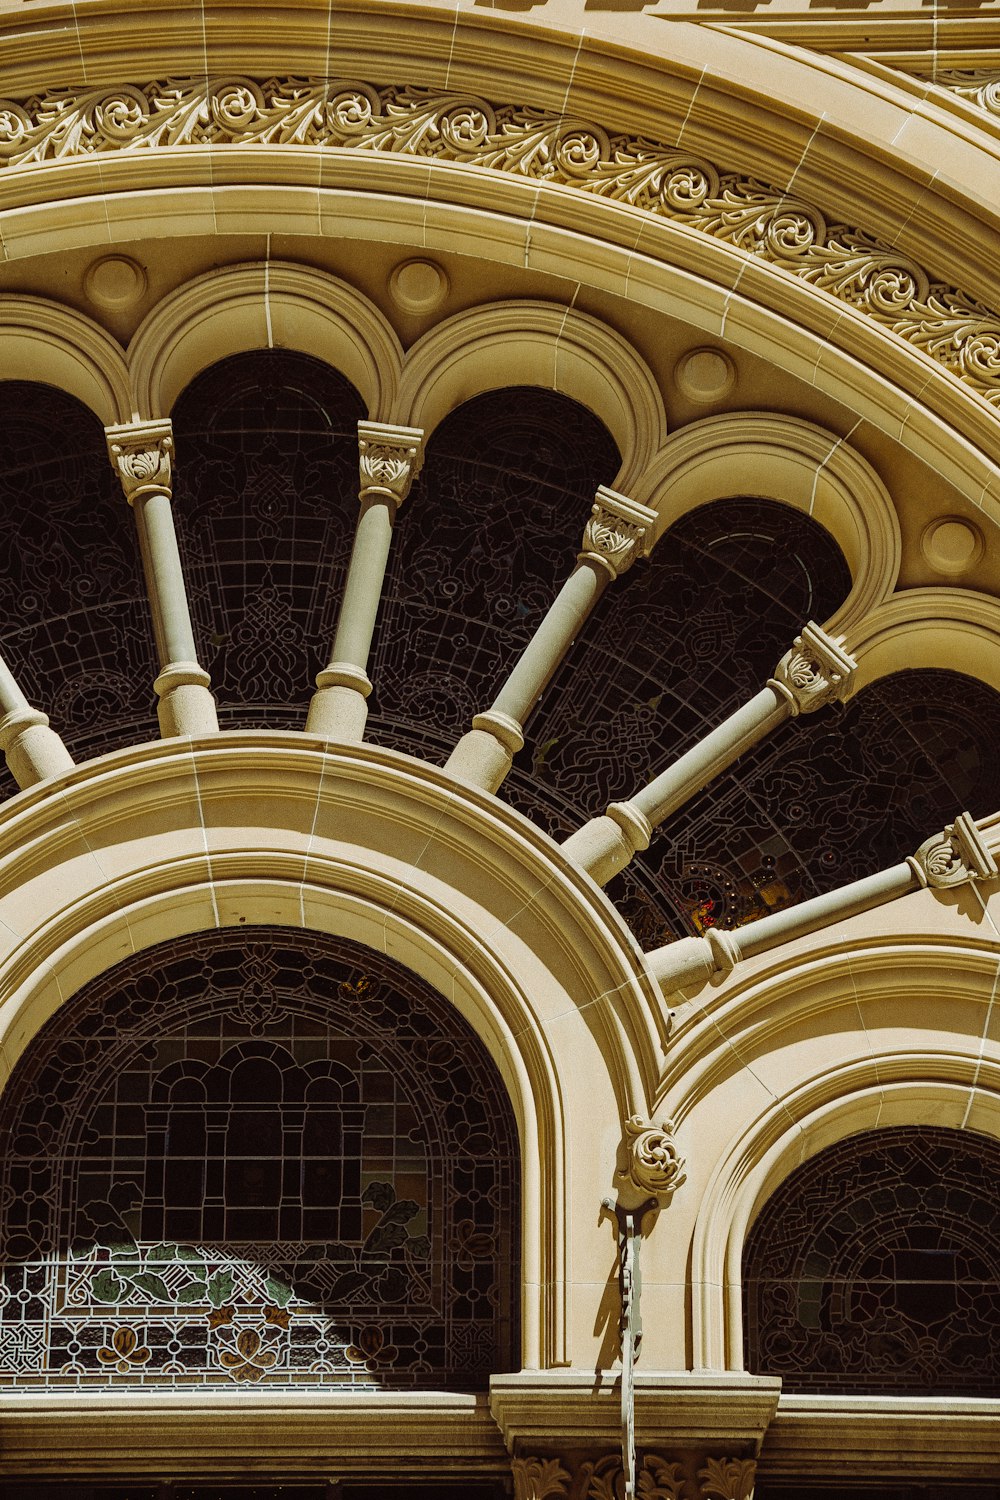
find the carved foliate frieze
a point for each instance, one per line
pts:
(978, 86)
(538, 1478)
(943, 321)
(728, 1478)
(389, 459)
(954, 857)
(141, 454)
(654, 1163)
(619, 531)
(815, 672)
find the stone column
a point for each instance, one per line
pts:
(34, 752)
(954, 857)
(141, 454)
(816, 671)
(389, 461)
(618, 531)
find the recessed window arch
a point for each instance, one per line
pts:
(875, 1268)
(260, 1156)
(265, 505)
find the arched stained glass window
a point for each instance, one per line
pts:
(260, 1156)
(875, 1267)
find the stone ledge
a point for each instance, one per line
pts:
(937, 1437)
(186, 1434)
(672, 1409)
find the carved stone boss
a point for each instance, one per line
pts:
(815, 672)
(957, 856)
(389, 460)
(618, 532)
(141, 454)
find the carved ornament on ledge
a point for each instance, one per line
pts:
(849, 264)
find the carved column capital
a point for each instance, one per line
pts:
(389, 459)
(538, 1478)
(954, 857)
(619, 531)
(815, 672)
(141, 454)
(654, 1163)
(728, 1478)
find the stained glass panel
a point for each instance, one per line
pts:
(482, 545)
(265, 503)
(76, 624)
(262, 1157)
(875, 1267)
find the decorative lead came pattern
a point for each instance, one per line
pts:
(875, 1267)
(943, 321)
(257, 1157)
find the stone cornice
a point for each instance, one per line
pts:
(537, 145)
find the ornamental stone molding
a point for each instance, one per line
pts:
(141, 454)
(654, 1163)
(537, 145)
(658, 1478)
(815, 672)
(389, 459)
(618, 531)
(955, 857)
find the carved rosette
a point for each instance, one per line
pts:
(389, 459)
(619, 531)
(141, 454)
(654, 1163)
(815, 672)
(954, 857)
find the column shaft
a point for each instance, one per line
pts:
(694, 770)
(33, 751)
(389, 460)
(814, 672)
(141, 455)
(692, 960)
(619, 531)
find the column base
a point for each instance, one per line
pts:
(186, 708)
(339, 708)
(605, 845)
(484, 756)
(34, 752)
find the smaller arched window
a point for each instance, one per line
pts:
(875, 1267)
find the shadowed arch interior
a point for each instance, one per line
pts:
(251, 1156)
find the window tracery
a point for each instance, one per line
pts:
(253, 1157)
(265, 504)
(875, 1267)
(76, 630)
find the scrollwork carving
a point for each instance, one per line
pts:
(815, 672)
(728, 1478)
(979, 86)
(654, 1163)
(957, 331)
(141, 454)
(954, 857)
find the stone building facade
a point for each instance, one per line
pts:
(500, 689)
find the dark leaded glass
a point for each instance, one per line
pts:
(482, 545)
(266, 502)
(875, 1267)
(678, 643)
(76, 632)
(267, 1157)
